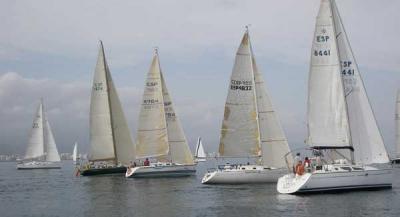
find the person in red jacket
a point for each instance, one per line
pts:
(146, 162)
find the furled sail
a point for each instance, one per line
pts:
(327, 115)
(178, 146)
(365, 135)
(123, 144)
(274, 144)
(152, 138)
(239, 133)
(101, 135)
(36, 138)
(397, 119)
(50, 144)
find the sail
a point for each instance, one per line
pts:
(101, 138)
(200, 153)
(124, 147)
(152, 139)
(327, 116)
(397, 119)
(50, 144)
(178, 146)
(239, 133)
(35, 144)
(274, 144)
(365, 135)
(75, 152)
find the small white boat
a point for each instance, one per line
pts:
(160, 135)
(250, 128)
(396, 160)
(161, 169)
(342, 130)
(42, 150)
(200, 155)
(75, 155)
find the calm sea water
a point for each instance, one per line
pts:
(60, 193)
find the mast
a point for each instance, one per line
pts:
(109, 102)
(397, 124)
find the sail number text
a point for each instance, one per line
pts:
(241, 85)
(346, 68)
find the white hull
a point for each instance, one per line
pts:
(243, 175)
(336, 180)
(161, 171)
(39, 165)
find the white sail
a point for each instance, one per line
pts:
(152, 138)
(101, 135)
(50, 144)
(327, 116)
(397, 119)
(274, 144)
(239, 133)
(178, 146)
(200, 153)
(124, 146)
(365, 135)
(75, 152)
(36, 140)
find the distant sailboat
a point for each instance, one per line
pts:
(111, 146)
(200, 155)
(396, 160)
(160, 135)
(42, 150)
(251, 128)
(342, 130)
(75, 156)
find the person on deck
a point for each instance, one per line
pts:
(299, 168)
(307, 164)
(146, 162)
(296, 160)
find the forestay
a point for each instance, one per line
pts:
(327, 115)
(239, 133)
(365, 135)
(152, 138)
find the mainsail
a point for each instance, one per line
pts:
(152, 138)
(110, 137)
(397, 120)
(200, 153)
(365, 135)
(327, 116)
(36, 138)
(240, 135)
(75, 152)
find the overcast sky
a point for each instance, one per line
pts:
(49, 49)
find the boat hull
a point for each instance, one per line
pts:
(243, 176)
(396, 161)
(369, 178)
(103, 171)
(39, 165)
(160, 171)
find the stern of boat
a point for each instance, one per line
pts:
(291, 183)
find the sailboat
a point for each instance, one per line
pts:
(251, 128)
(75, 155)
(111, 146)
(200, 155)
(396, 160)
(342, 131)
(160, 135)
(42, 150)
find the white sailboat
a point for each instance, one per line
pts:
(160, 135)
(396, 159)
(200, 155)
(75, 155)
(111, 146)
(42, 150)
(250, 128)
(342, 130)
